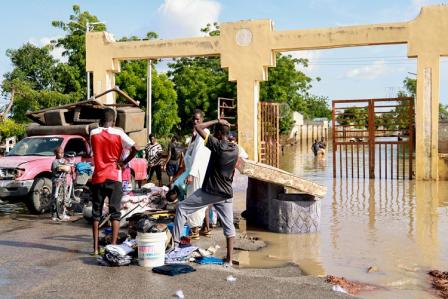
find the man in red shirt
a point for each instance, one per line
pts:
(108, 144)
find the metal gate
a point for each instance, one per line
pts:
(269, 118)
(373, 138)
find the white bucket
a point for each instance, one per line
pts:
(151, 249)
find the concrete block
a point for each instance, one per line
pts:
(268, 207)
(294, 213)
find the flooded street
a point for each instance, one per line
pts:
(399, 227)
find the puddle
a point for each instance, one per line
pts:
(400, 227)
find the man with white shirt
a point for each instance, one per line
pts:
(196, 161)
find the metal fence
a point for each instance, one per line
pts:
(373, 138)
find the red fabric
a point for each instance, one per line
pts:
(107, 148)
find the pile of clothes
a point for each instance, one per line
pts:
(118, 255)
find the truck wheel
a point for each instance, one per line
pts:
(40, 196)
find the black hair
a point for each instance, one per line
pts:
(108, 116)
(199, 111)
(151, 135)
(222, 129)
(175, 138)
(57, 149)
(171, 193)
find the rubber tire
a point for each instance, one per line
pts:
(34, 202)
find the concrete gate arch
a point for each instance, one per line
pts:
(247, 49)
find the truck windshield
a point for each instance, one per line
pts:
(40, 146)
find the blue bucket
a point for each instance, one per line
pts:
(185, 232)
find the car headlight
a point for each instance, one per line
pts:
(7, 173)
(18, 172)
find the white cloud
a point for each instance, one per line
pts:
(368, 72)
(312, 56)
(185, 18)
(46, 40)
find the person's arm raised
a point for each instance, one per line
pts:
(200, 128)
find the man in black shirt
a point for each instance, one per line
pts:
(217, 186)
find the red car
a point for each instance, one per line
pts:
(25, 172)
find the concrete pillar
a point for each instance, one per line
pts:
(427, 117)
(248, 92)
(103, 81)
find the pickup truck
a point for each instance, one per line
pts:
(25, 172)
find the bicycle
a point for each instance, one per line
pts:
(64, 186)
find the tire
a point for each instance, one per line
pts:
(60, 200)
(39, 198)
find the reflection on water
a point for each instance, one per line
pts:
(399, 226)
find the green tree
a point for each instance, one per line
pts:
(28, 99)
(74, 47)
(164, 105)
(132, 79)
(34, 65)
(354, 116)
(198, 83)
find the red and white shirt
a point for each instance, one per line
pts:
(108, 145)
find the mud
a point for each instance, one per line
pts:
(439, 282)
(352, 287)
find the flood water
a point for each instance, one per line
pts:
(398, 226)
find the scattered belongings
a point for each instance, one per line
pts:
(247, 243)
(173, 269)
(439, 282)
(180, 255)
(179, 294)
(230, 278)
(351, 287)
(209, 260)
(118, 255)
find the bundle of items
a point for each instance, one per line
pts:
(118, 255)
(148, 225)
(180, 255)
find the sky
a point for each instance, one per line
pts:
(349, 73)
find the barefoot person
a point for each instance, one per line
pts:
(217, 187)
(108, 144)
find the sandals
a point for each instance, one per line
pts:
(207, 234)
(195, 236)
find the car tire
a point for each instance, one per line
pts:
(40, 196)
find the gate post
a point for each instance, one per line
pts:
(371, 134)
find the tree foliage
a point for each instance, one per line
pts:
(132, 79)
(198, 83)
(74, 47)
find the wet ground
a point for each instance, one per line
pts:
(399, 227)
(40, 259)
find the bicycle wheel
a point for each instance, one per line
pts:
(60, 200)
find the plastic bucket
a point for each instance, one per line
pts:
(151, 249)
(185, 232)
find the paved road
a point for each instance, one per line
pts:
(40, 259)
